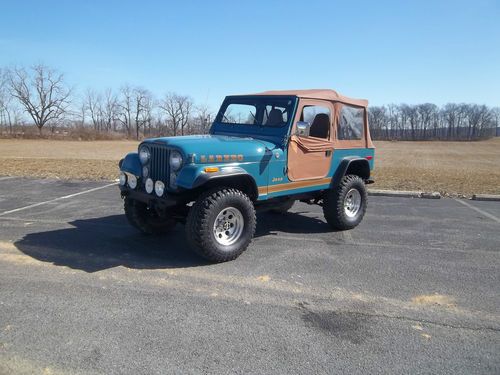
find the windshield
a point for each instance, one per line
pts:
(271, 111)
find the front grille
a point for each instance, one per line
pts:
(159, 165)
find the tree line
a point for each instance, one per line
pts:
(41, 94)
(428, 122)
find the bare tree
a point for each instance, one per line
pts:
(496, 118)
(125, 108)
(143, 102)
(5, 101)
(479, 116)
(204, 117)
(377, 118)
(148, 107)
(42, 93)
(82, 113)
(93, 106)
(427, 113)
(178, 110)
(110, 110)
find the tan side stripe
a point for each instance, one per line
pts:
(293, 185)
(297, 185)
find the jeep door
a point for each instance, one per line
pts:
(310, 155)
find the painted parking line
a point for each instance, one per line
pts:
(56, 199)
(6, 178)
(484, 213)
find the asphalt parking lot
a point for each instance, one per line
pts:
(414, 289)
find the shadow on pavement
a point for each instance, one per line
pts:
(291, 222)
(106, 242)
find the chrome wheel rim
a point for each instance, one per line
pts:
(228, 226)
(352, 203)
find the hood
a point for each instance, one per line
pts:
(205, 145)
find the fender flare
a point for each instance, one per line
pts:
(227, 173)
(362, 168)
(131, 164)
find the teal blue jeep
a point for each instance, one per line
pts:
(264, 152)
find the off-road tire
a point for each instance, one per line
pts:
(200, 224)
(145, 219)
(333, 203)
(283, 208)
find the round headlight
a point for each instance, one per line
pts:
(144, 154)
(123, 178)
(145, 171)
(159, 188)
(149, 186)
(175, 160)
(132, 181)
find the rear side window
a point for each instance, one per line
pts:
(240, 114)
(351, 123)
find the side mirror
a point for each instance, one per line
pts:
(303, 128)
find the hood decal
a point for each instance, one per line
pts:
(221, 158)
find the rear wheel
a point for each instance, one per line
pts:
(146, 219)
(221, 224)
(345, 206)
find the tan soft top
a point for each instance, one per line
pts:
(325, 94)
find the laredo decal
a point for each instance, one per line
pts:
(220, 158)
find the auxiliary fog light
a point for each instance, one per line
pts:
(123, 179)
(132, 181)
(149, 186)
(159, 188)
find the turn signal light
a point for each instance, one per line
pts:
(211, 169)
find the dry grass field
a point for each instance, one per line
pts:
(455, 168)
(96, 160)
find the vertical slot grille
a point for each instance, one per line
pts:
(159, 163)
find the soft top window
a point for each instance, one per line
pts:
(351, 123)
(256, 110)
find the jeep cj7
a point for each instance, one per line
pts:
(264, 151)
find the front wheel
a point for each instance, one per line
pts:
(221, 224)
(345, 206)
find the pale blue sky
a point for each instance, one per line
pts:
(385, 51)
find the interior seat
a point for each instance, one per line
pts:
(320, 126)
(275, 117)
